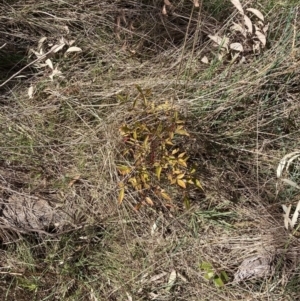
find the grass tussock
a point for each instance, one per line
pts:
(60, 120)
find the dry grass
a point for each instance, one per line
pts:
(62, 145)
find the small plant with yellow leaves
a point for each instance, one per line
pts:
(153, 153)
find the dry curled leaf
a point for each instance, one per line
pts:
(57, 48)
(157, 277)
(291, 183)
(75, 179)
(286, 216)
(239, 28)
(236, 47)
(238, 6)
(248, 24)
(204, 60)
(265, 28)
(74, 49)
(55, 72)
(257, 13)
(196, 3)
(40, 43)
(287, 221)
(164, 10)
(261, 37)
(30, 91)
(296, 214)
(172, 279)
(221, 41)
(49, 63)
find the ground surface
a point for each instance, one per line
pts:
(139, 148)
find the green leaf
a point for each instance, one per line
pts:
(187, 203)
(205, 266)
(142, 95)
(198, 184)
(218, 282)
(224, 276)
(209, 275)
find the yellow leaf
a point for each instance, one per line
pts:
(149, 201)
(182, 162)
(171, 135)
(121, 195)
(165, 196)
(177, 172)
(158, 171)
(159, 128)
(180, 176)
(181, 132)
(193, 170)
(144, 177)
(134, 135)
(123, 169)
(181, 155)
(176, 116)
(145, 143)
(168, 141)
(181, 183)
(124, 130)
(175, 151)
(133, 181)
(146, 186)
(134, 103)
